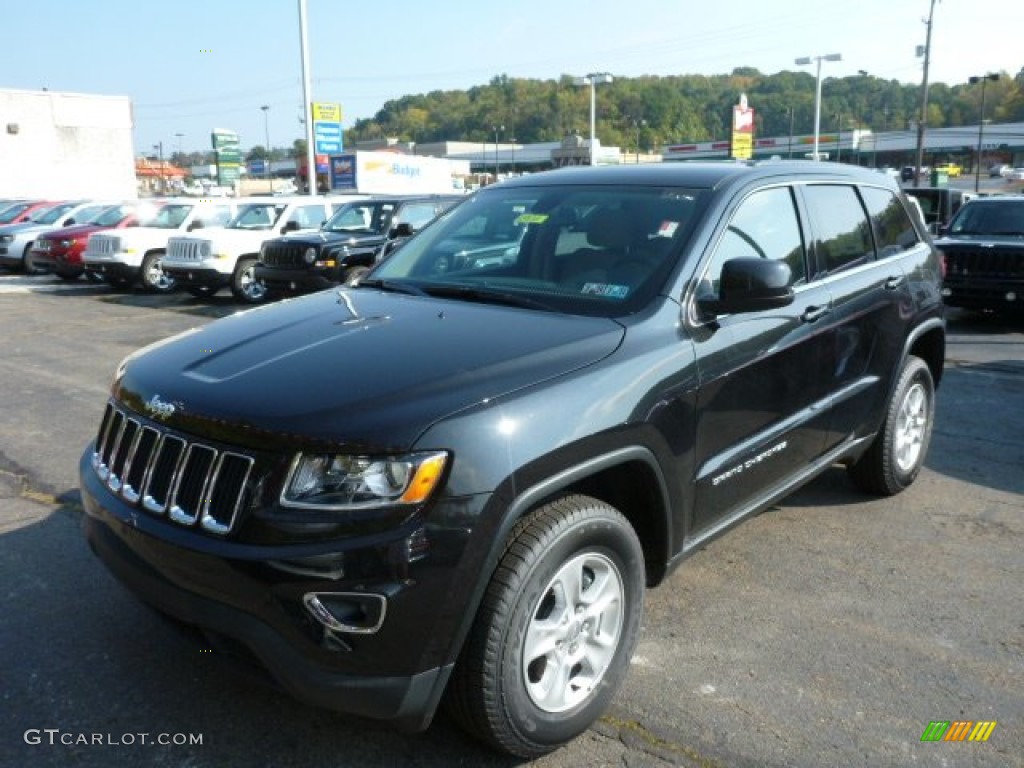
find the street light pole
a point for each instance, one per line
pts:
(163, 182)
(923, 117)
(804, 61)
(981, 122)
(792, 110)
(638, 123)
(266, 137)
(307, 95)
(592, 80)
(496, 128)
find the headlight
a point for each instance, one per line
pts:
(6, 238)
(204, 251)
(310, 255)
(66, 243)
(342, 482)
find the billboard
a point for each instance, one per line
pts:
(227, 149)
(742, 139)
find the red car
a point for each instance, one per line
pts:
(60, 251)
(16, 213)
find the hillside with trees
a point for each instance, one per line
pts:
(664, 110)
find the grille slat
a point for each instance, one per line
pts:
(283, 255)
(988, 263)
(191, 482)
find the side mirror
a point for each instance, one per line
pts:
(751, 285)
(404, 229)
(291, 226)
(68, 222)
(196, 224)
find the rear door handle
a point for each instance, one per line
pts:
(894, 282)
(813, 314)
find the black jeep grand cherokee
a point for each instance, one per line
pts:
(458, 477)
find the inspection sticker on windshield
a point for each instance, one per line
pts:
(668, 228)
(532, 218)
(605, 289)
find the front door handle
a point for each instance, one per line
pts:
(813, 314)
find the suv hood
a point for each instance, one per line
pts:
(356, 368)
(75, 230)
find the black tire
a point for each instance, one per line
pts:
(68, 276)
(152, 277)
(27, 263)
(245, 287)
(201, 291)
(897, 454)
(530, 706)
(94, 277)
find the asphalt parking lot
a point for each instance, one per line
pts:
(829, 631)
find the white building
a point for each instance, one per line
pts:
(65, 145)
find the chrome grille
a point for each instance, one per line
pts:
(283, 255)
(103, 245)
(191, 482)
(184, 250)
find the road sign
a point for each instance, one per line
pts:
(327, 137)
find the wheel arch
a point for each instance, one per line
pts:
(628, 478)
(928, 342)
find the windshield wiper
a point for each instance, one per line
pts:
(487, 295)
(391, 286)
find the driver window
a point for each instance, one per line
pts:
(764, 226)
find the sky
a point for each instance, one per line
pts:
(190, 66)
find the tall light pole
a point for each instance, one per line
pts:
(307, 95)
(592, 80)
(792, 112)
(163, 182)
(266, 137)
(804, 61)
(981, 121)
(923, 117)
(638, 123)
(496, 129)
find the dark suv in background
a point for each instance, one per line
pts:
(983, 250)
(456, 478)
(348, 243)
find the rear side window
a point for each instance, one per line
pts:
(842, 235)
(894, 232)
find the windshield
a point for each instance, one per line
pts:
(91, 213)
(111, 216)
(589, 250)
(169, 216)
(257, 216)
(11, 213)
(358, 218)
(989, 217)
(51, 214)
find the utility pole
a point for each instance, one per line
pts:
(924, 95)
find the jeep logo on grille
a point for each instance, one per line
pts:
(159, 409)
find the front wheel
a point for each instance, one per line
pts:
(555, 631)
(896, 456)
(245, 286)
(153, 277)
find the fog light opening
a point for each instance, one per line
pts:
(360, 613)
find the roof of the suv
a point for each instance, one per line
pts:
(698, 174)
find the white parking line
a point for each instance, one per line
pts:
(40, 284)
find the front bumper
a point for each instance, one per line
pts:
(203, 276)
(298, 280)
(114, 269)
(984, 293)
(397, 673)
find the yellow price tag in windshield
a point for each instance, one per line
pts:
(532, 218)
